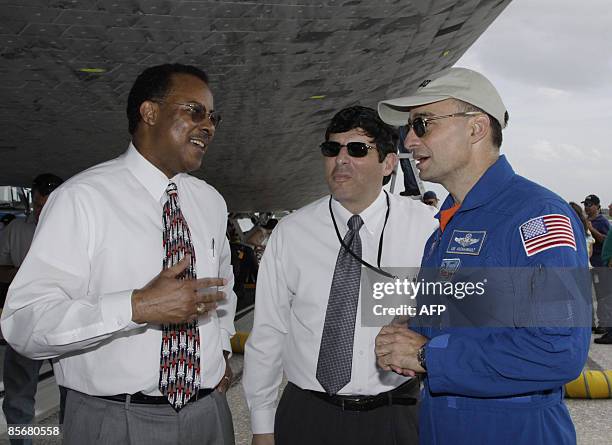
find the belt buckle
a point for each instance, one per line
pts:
(357, 403)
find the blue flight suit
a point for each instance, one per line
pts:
(501, 385)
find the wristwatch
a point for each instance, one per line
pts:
(421, 357)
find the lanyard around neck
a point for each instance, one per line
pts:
(380, 242)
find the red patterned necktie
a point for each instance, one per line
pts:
(179, 374)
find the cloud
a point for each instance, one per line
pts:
(551, 63)
(553, 93)
(549, 43)
(543, 151)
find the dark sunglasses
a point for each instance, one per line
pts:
(331, 149)
(419, 124)
(197, 112)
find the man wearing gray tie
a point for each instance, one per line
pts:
(307, 307)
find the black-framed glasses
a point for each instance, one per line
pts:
(331, 149)
(197, 112)
(419, 124)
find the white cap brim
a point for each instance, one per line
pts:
(397, 111)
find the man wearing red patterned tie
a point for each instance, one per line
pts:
(128, 283)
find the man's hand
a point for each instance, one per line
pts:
(263, 439)
(226, 380)
(396, 349)
(167, 299)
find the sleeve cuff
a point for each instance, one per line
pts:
(434, 356)
(262, 421)
(226, 343)
(117, 311)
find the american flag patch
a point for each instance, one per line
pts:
(545, 232)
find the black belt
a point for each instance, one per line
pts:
(402, 395)
(144, 399)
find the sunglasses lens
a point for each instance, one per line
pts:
(357, 149)
(330, 149)
(419, 126)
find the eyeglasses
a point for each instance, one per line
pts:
(419, 124)
(331, 149)
(197, 112)
(588, 203)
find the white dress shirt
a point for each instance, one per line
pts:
(15, 240)
(293, 288)
(98, 239)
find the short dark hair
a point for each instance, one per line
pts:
(496, 127)
(154, 83)
(46, 183)
(384, 136)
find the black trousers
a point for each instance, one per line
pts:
(304, 419)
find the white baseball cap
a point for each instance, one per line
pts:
(454, 83)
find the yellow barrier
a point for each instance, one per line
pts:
(238, 341)
(590, 385)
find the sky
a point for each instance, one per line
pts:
(551, 61)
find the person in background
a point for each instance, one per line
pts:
(21, 373)
(606, 251)
(5, 221)
(430, 198)
(602, 276)
(585, 223)
(589, 243)
(598, 226)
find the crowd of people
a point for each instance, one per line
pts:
(127, 284)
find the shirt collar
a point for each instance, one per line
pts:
(152, 178)
(486, 189)
(372, 216)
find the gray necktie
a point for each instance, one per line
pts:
(336, 350)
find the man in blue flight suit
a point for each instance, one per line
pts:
(487, 385)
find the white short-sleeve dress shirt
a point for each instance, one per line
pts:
(293, 287)
(98, 239)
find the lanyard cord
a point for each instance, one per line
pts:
(380, 242)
